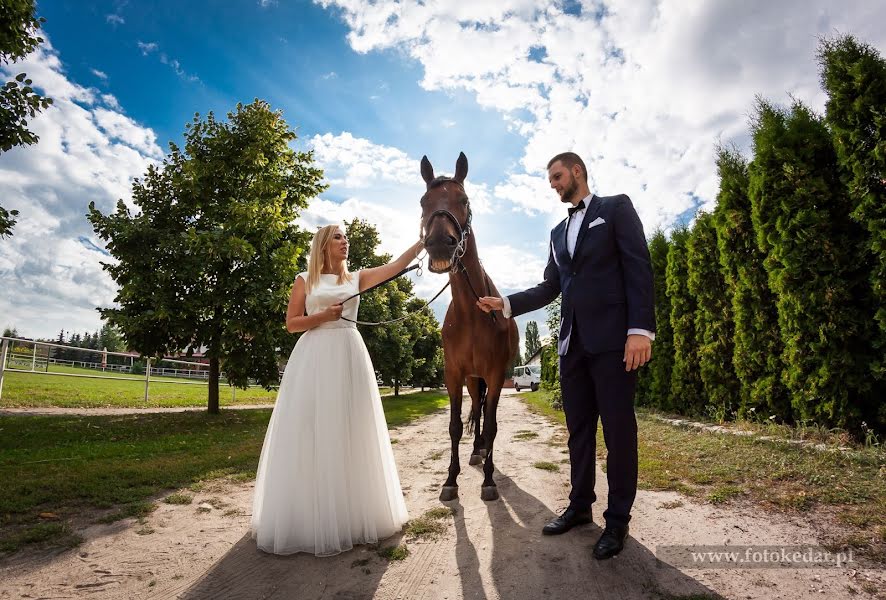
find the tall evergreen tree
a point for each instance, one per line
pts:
(714, 327)
(654, 384)
(800, 211)
(854, 77)
(532, 341)
(758, 347)
(687, 390)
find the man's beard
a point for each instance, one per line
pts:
(570, 192)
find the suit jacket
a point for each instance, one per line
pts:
(606, 284)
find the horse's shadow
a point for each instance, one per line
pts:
(247, 572)
(525, 565)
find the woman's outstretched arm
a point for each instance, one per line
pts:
(371, 277)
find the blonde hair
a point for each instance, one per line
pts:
(318, 253)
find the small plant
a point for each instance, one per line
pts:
(178, 499)
(394, 552)
(546, 466)
(723, 494)
(671, 505)
(525, 435)
(134, 510)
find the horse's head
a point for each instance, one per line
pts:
(445, 216)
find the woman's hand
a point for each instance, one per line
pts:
(333, 313)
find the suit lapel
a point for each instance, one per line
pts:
(590, 214)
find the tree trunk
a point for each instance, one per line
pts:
(396, 387)
(213, 386)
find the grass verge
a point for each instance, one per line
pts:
(849, 485)
(29, 390)
(71, 466)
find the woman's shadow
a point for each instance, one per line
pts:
(247, 572)
(526, 565)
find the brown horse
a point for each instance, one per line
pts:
(478, 347)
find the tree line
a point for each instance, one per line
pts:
(771, 306)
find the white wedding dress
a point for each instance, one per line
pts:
(326, 477)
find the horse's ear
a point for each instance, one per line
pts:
(427, 171)
(461, 168)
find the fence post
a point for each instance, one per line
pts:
(3, 350)
(147, 377)
(34, 358)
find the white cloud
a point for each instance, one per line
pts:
(86, 152)
(114, 19)
(100, 74)
(147, 47)
(642, 89)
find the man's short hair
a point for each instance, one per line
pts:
(569, 160)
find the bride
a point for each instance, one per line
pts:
(326, 477)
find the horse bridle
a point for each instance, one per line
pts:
(463, 231)
(460, 246)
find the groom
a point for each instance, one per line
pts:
(600, 263)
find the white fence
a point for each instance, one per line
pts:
(13, 360)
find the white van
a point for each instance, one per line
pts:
(527, 376)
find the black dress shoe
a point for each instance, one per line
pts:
(569, 519)
(611, 542)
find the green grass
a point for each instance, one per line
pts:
(178, 498)
(74, 465)
(525, 434)
(394, 552)
(546, 466)
(22, 389)
(428, 526)
(32, 390)
(782, 477)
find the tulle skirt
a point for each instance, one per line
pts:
(326, 477)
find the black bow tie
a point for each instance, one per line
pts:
(579, 206)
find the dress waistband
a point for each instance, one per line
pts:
(340, 324)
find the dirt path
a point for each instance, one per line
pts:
(489, 550)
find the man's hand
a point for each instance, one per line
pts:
(638, 351)
(490, 303)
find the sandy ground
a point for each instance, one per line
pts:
(489, 550)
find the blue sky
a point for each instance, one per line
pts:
(644, 90)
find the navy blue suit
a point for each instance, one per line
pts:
(606, 288)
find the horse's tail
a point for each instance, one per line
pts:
(475, 415)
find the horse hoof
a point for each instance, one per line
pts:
(489, 492)
(449, 492)
(476, 459)
(483, 452)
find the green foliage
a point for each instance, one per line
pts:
(210, 258)
(532, 341)
(550, 362)
(758, 346)
(800, 212)
(19, 28)
(714, 328)
(410, 351)
(686, 393)
(854, 77)
(654, 385)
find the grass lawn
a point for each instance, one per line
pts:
(66, 467)
(716, 468)
(22, 389)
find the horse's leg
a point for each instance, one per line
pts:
(490, 427)
(453, 386)
(474, 389)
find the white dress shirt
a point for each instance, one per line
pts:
(575, 221)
